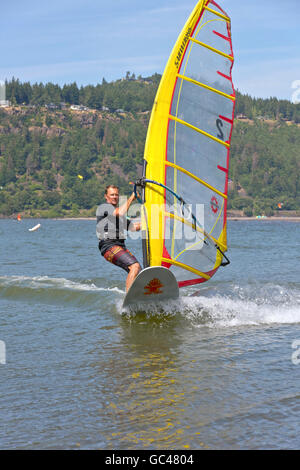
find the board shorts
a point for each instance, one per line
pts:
(120, 257)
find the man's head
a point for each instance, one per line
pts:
(112, 195)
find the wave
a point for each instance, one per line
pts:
(53, 290)
(233, 306)
(221, 305)
(237, 305)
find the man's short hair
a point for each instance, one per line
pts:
(111, 186)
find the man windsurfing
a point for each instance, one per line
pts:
(111, 226)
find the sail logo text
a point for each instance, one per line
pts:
(182, 47)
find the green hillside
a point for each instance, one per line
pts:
(50, 135)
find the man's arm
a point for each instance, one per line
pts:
(120, 211)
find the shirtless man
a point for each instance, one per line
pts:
(111, 224)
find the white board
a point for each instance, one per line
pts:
(34, 228)
(152, 284)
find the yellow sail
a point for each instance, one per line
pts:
(187, 151)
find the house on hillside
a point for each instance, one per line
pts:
(51, 106)
(78, 107)
(5, 103)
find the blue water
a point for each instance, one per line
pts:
(217, 370)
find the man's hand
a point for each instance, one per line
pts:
(135, 226)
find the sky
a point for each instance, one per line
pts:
(82, 41)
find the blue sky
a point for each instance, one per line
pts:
(63, 41)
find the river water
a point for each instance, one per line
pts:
(218, 370)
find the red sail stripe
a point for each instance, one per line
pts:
(223, 75)
(221, 35)
(226, 119)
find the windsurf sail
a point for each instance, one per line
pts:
(186, 158)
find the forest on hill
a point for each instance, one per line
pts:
(60, 146)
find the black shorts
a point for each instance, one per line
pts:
(120, 257)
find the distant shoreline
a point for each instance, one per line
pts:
(231, 218)
(267, 219)
(235, 218)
